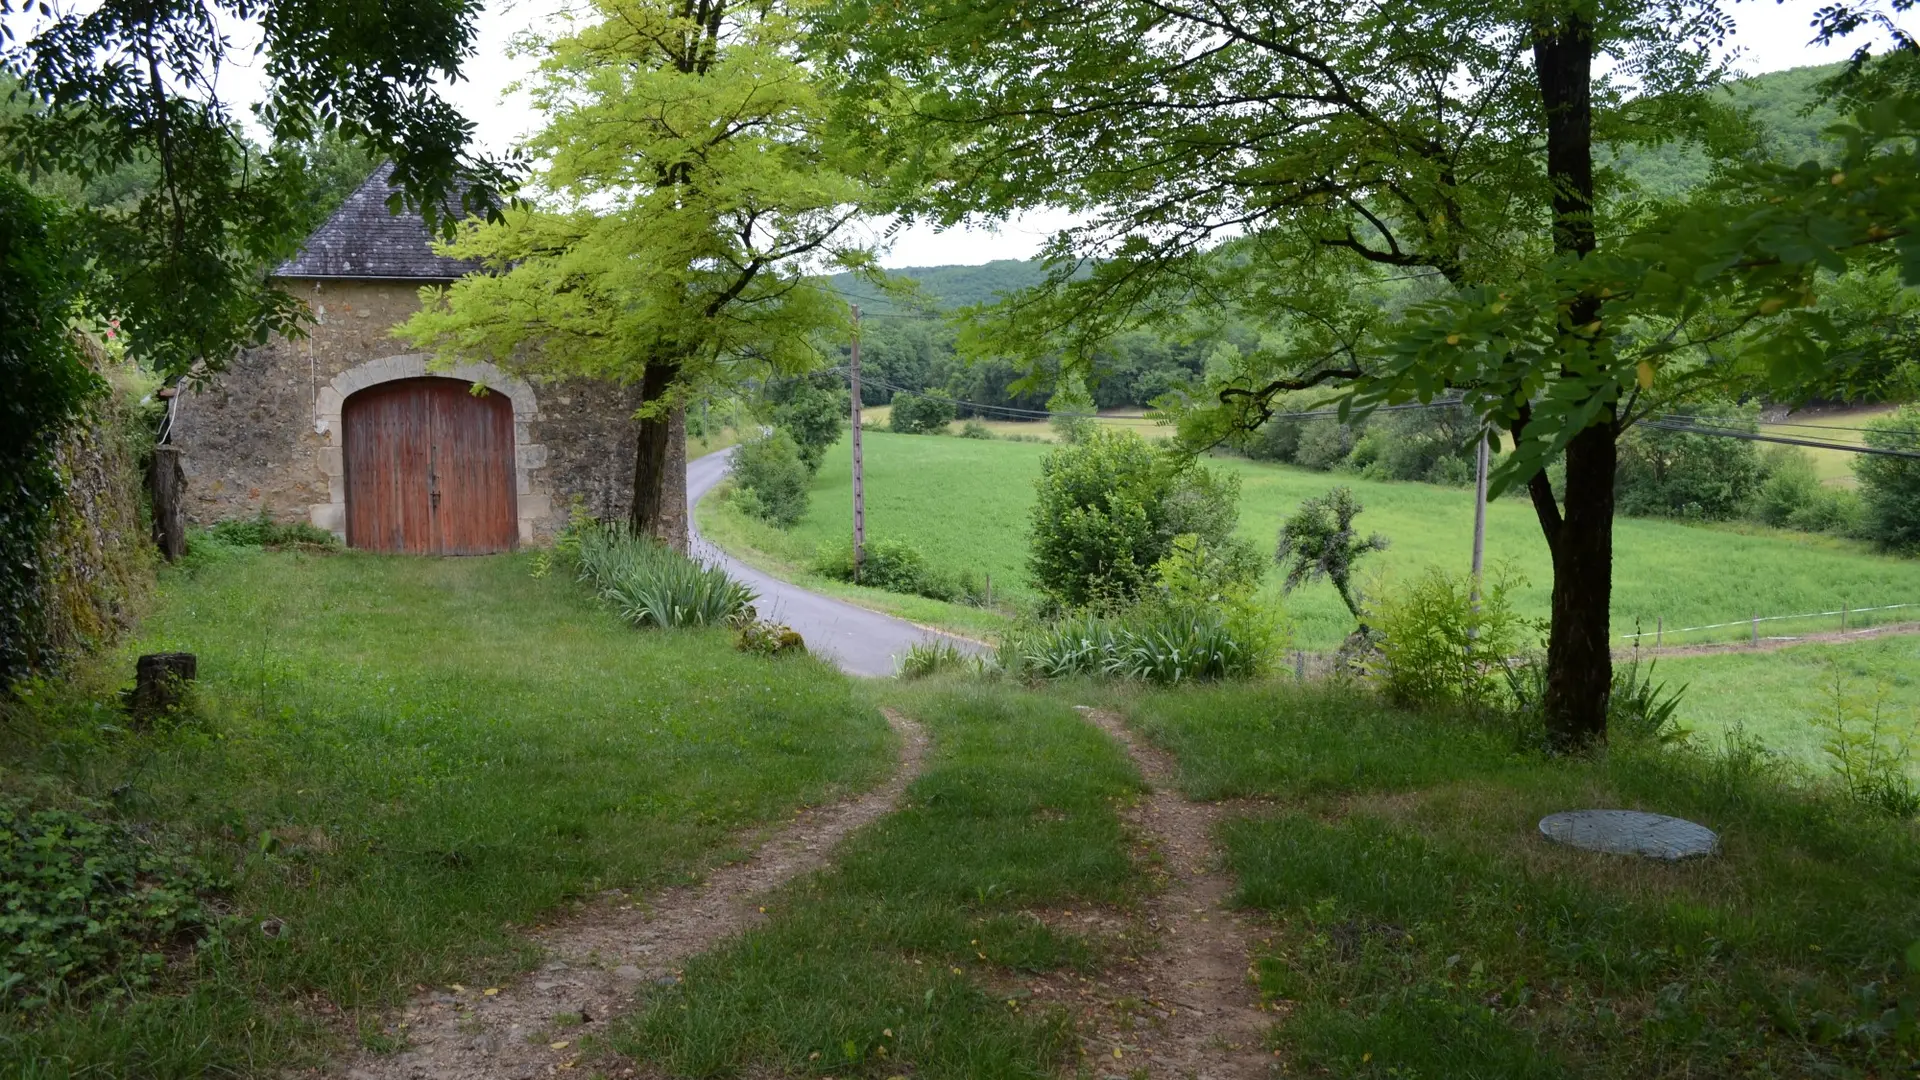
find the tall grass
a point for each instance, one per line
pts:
(650, 584)
(1161, 645)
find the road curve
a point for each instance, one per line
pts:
(860, 641)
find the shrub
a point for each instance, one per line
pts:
(47, 388)
(262, 531)
(926, 658)
(86, 905)
(1791, 483)
(1890, 486)
(650, 584)
(765, 637)
(1164, 644)
(1441, 650)
(1323, 444)
(896, 566)
(974, 429)
(1070, 407)
(1430, 445)
(1319, 541)
(812, 412)
(922, 414)
(1108, 508)
(770, 480)
(1679, 474)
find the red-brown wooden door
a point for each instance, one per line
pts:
(429, 469)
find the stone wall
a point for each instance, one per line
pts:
(263, 435)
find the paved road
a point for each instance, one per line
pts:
(860, 641)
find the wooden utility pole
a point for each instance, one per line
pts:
(859, 480)
(1479, 516)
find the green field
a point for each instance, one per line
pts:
(407, 762)
(1834, 467)
(965, 504)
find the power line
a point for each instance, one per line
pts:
(1755, 436)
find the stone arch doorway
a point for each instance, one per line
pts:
(429, 468)
(533, 507)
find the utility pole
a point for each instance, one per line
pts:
(1479, 512)
(859, 479)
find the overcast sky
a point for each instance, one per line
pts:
(1769, 36)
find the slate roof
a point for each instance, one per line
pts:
(362, 241)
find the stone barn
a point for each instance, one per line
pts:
(350, 431)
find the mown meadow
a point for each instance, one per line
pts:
(965, 504)
(394, 766)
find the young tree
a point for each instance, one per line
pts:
(1319, 541)
(1274, 159)
(128, 86)
(693, 198)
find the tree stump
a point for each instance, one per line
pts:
(160, 683)
(167, 482)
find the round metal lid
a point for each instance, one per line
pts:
(1630, 832)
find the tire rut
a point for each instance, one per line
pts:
(598, 960)
(1184, 1009)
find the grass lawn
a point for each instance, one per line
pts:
(1774, 696)
(1830, 425)
(965, 504)
(1421, 927)
(405, 761)
(876, 967)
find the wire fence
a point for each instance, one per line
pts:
(1844, 619)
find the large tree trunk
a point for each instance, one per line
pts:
(1579, 663)
(660, 504)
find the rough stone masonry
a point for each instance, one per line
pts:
(264, 435)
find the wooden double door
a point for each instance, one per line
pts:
(429, 469)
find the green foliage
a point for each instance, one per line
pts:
(651, 584)
(1641, 709)
(1107, 509)
(1442, 647)
(1890, 486)
(770, 479)
(263, 531)
(87, 907)
(1793, 497)
(764, 637)
(1165, 644)
(813, 413)
(1319, 541)
(926, 659)
(179, 256)
(974, 429)
(1869, 750)
(1071, 407)
(407, 762)
(48, 386)
(926, 413)
(1681, 474)
(896, 566)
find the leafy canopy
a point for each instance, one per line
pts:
(690, 197)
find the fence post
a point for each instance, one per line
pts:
(1300, 665)
(1756, 628)
(989, 592)
(1843, 616)
(1659, 630)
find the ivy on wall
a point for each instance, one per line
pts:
(45, 386)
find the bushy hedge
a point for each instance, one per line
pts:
(897, 566)
(1681, 474)
(1431, 445)
(1890, 486)
(47, 387)
(1110, 507)
(813, 413)
(922, 414)
(771, 480)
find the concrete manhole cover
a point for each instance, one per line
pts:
(1630, 832)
